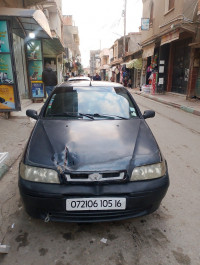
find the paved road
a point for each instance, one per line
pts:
(168, 236)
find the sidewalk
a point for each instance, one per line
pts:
(175, 100)
(14, 134)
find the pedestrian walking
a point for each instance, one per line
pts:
(97, 77)
(129, 83)
(49, 78)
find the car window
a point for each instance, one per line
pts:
(113, 103)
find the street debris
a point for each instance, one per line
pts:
(13, 225)
(104, 240)
(4, 249)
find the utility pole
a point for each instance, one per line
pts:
(124, 41)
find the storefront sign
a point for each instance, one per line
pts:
(170, 37)
(37, 89)
(7, 99)
(161, 69)
(34, 51)
(145, 23)
(148, 51)
(35, 69)
(4, 43)
(8, 91)
(6, 74)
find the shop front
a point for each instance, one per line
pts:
(194, 75)
(181, 66)
(150, 68)
(53, 50)
(134, 67)
(9, 96)
(17, 71)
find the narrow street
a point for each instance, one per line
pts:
(169, 236)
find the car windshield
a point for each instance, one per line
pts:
(91, 104)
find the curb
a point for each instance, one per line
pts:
(3, 170)
(172, 104)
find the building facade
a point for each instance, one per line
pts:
(94, 62)
(71, 43)
(30, 36)
(170, 46)
(104, 64)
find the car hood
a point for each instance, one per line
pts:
(92, 145)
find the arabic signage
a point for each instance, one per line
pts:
(6, 74)
(37, 89)
(145, 23)
(7, 86)
(34, 50)
(4, 43)
(7, 99)
(35, 70)
(170, 37)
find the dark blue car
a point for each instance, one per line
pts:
(91, 157)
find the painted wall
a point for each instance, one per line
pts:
(164, 18)
(134, 41)
(70, 34)
(55, 23)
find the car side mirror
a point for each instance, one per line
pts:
(148, 114)
(32, 114)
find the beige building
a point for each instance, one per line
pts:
(170, 46)
(94, 62)
(71, 43)
(104, 64)
(126, 68)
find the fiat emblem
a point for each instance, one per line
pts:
(95, 177)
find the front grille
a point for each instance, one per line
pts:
(95, 177)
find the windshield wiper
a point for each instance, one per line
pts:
(71, 114)
(87, 115)
(109, 116)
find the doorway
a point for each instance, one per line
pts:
(181, 67)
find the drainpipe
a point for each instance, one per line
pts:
(198, 13)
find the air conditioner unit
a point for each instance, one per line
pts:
(46, 12)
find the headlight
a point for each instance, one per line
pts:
(37, 174)
(149, 172)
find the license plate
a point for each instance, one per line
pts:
(95, 204)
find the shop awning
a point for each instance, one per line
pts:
(135, 63)
(148, 50)
(117, 62)
(172, 36)
(30, 20)
(52, 47)
(105, 67)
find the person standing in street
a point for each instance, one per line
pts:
(97, 77)
(49, 79)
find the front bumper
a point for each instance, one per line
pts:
(42, 200)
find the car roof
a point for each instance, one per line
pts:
(79, 78)
(90, 84)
